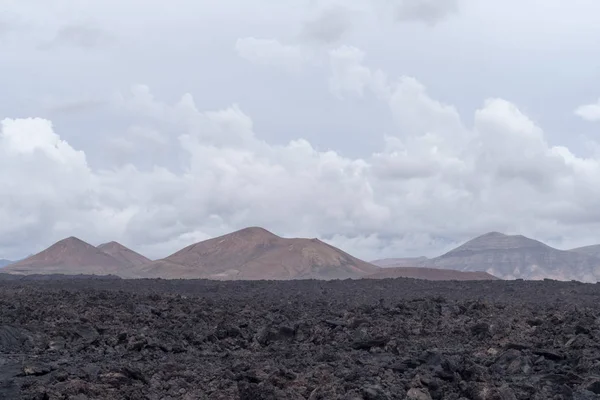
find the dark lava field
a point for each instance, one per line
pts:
(356, 339)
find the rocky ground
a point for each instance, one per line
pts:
(367, 339)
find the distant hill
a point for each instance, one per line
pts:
(71, 256)
(4, 263)
(516, 256)
(54, 277)
(431, 274)
(400, 262)
(255, 253)
(593, 250)
(123, 254)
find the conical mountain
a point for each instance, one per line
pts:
(71, 256)
(255, 253)
(123, 254)
(517, 256)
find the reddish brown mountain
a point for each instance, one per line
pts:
(123, 254)
(71, 256)
(431, 274)
(255, 253)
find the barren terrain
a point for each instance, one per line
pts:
(355, 339)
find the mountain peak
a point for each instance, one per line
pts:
(72, 240)
(70, 256)
(498, 241)
(492, 234)
(254, 232)
(111, 244)
(123, 254)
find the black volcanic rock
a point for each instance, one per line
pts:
(516, 256)
(352, 339)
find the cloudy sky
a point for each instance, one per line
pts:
(386, 127)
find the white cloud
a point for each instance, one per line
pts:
(349, 76)
(589, 112)
(272, 52)
(436, 180)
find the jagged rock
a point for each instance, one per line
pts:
(418, 394)
(105, 339)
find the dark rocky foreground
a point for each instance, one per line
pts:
(370, 339)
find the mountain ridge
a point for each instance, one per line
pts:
(71, 256)
(593, 250)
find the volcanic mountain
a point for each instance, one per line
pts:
(123, 254)
(255, 253)
(430, 274)
(516, 256)
(593, 250)
(71, 256)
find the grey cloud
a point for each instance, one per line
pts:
(79, 35)
(329, 26)
(333, 22)
(428, 11)
(74, 106)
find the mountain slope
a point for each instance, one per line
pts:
(4, 263)
(431, 274)
(255, 253)
(123, 254)
(593, 250)
(517, 256)
(400, 262)
(71, 256)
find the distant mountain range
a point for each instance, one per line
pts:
(248, 254)
(255, 253)
(431, 274)
(4, 263)
(513, 256)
